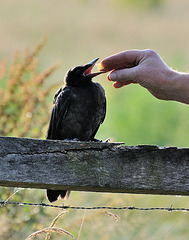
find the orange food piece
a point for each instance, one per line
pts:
(99, 66)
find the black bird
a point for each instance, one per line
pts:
(79, 107)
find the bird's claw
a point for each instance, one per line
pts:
(72, 140)
(97, 140)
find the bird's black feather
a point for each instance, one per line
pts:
(79, 108)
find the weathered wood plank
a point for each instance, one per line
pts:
(93, 166)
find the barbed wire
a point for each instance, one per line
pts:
(169, 209)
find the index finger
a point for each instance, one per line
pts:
(125, 59)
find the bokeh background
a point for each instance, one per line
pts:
(77, 32)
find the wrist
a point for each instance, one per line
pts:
(178, 87)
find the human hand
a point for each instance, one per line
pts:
(144, 67)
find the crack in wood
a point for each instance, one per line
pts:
(91, 166)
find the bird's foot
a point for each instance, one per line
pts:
(100, 141)
(72, 140)
(97, 140)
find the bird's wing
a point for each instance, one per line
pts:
(102, 118)
(59, 111)
(104, 112)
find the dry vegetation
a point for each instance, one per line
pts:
(24, 108)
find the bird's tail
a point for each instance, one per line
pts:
(53, 195)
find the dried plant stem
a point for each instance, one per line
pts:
(114, 216)
(15, 191)
(81, 225)
(54, 222)
(49, 229)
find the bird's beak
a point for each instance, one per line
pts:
(88, 68)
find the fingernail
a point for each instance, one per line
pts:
(112, 76)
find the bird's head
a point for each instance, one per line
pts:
(81, 75)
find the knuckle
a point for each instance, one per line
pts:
(151, 52)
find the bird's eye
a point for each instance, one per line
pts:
(78, 71)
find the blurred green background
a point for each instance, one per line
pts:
(77, 32)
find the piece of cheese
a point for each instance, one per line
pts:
(99, 66)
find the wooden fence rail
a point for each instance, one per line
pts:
(93, 166)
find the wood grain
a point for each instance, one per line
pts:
(93, 166)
